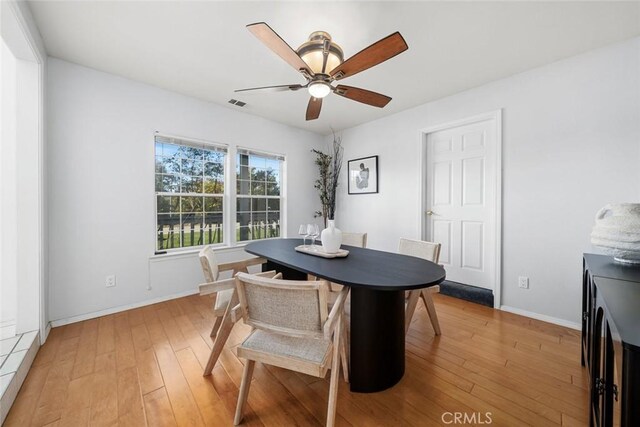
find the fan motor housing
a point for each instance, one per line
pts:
(312, 53)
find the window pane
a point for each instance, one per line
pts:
(213, 233)
(167, 204)
(243, 187)
(243, 204)
(191, 184)
(191, 204)
(167, 183)
(168, 220)
(243, 172)
(243, 219)
(274, 204)
(257, 161)
(273, 175)
(167, 165)
(258, 217)
(192, 167)
(168, 238)
(188, 152)
(258, 174)
(213, 218)
(213, 204)
(214, 170)
(193, 236)
(273, 230)
(213, 186)
(258, 227)
(273, 216)
(258, 188)
(192, 221)
(169, 150)
(214, 156)
(243, 234)
(273, 189)
(259, 204)
(273, 164)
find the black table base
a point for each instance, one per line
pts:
(377, 339)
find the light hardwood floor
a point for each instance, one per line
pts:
(145, 366)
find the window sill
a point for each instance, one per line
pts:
(186, 253)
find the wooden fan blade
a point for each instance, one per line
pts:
(378, 52)
(279, 88)
(273, 41)
(362, 95)
(313, 109)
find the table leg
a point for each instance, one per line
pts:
(287, 273)
(377, 339)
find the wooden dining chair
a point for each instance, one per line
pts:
(431, 252)
(293, 329)
(223, 289)
(358, 240)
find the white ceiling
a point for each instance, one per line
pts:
(202, 49)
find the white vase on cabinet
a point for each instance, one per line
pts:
(331, 238)
(617, 231)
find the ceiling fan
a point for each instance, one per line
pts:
(321, 62)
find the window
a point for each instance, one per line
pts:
(258, 195)
(189, 193)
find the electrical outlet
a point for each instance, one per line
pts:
(110, 281)
(523, 282)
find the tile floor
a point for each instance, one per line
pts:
(12, 353)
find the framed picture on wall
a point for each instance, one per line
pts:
(363, 175)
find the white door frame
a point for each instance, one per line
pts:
(34, 58)
(496, 116)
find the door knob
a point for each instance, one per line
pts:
(429, 212)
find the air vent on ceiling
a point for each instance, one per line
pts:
(238, 103)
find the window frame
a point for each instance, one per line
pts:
(282, 197)
(229, 196)
(225, 194)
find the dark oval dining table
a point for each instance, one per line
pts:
(378, 282)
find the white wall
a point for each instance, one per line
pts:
(571, 144)
(101, 177)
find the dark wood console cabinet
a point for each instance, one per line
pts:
(611, 340)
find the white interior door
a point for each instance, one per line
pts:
(460, 200)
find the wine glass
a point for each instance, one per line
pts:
(314, 232)
(302, 231)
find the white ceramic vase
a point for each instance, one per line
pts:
(331, 238)
(617, 230)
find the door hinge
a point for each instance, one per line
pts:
(585, 315)
(599, 386)
(615, 392)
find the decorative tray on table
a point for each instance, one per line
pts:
(317, 250)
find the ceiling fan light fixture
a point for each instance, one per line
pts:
(312, 53)
(319, 89)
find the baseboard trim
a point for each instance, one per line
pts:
(469, 293)
(543, 317)
(47, 329)
(118, 309)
